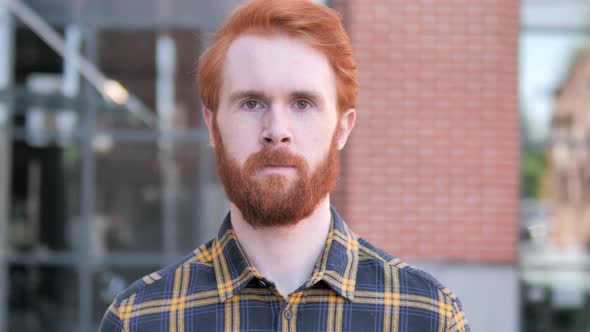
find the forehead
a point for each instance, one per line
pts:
(275, 65)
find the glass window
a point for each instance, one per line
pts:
(555, 223)
(45, 198)
(42, 298)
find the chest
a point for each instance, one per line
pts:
(311, 310)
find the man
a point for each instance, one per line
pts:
(279, 86)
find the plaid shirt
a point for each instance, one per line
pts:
(354, 287)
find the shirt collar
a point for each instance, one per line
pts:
(232, 269)
(337, 265)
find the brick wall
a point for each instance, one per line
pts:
(431, 170)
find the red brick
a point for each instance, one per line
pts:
(434, 157)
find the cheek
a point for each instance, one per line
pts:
(239, 141)
(317, 141)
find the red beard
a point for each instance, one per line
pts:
(272, 201)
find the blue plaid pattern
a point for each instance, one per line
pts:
(354, 287)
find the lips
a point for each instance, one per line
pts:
(278, 167)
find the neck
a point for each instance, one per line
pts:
(285, 255)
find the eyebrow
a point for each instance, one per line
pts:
(312, 96)
(247, 94)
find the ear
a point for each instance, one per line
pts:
(346, 123)
(209, 118)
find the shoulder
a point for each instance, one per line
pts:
(382, 272)
(160, 284)
(371, 256)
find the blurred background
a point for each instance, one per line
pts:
(470, 159)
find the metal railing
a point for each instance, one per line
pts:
(108, 88)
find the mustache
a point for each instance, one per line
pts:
(274, 157)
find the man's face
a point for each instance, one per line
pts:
(277, 132)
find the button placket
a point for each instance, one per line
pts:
(287, 313)
(291, 305)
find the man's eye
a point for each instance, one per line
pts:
(252, 104)
(302, 104)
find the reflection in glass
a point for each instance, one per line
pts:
(45, 199)
(570, 156)
(42, 299)
(555, 242)
(132, 212)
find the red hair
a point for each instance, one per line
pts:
(316, 25)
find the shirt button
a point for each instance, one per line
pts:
(288, 314)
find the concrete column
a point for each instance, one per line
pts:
(67, 118)
(6, 79)
(165, 100)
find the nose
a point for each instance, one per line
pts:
(276, 130)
